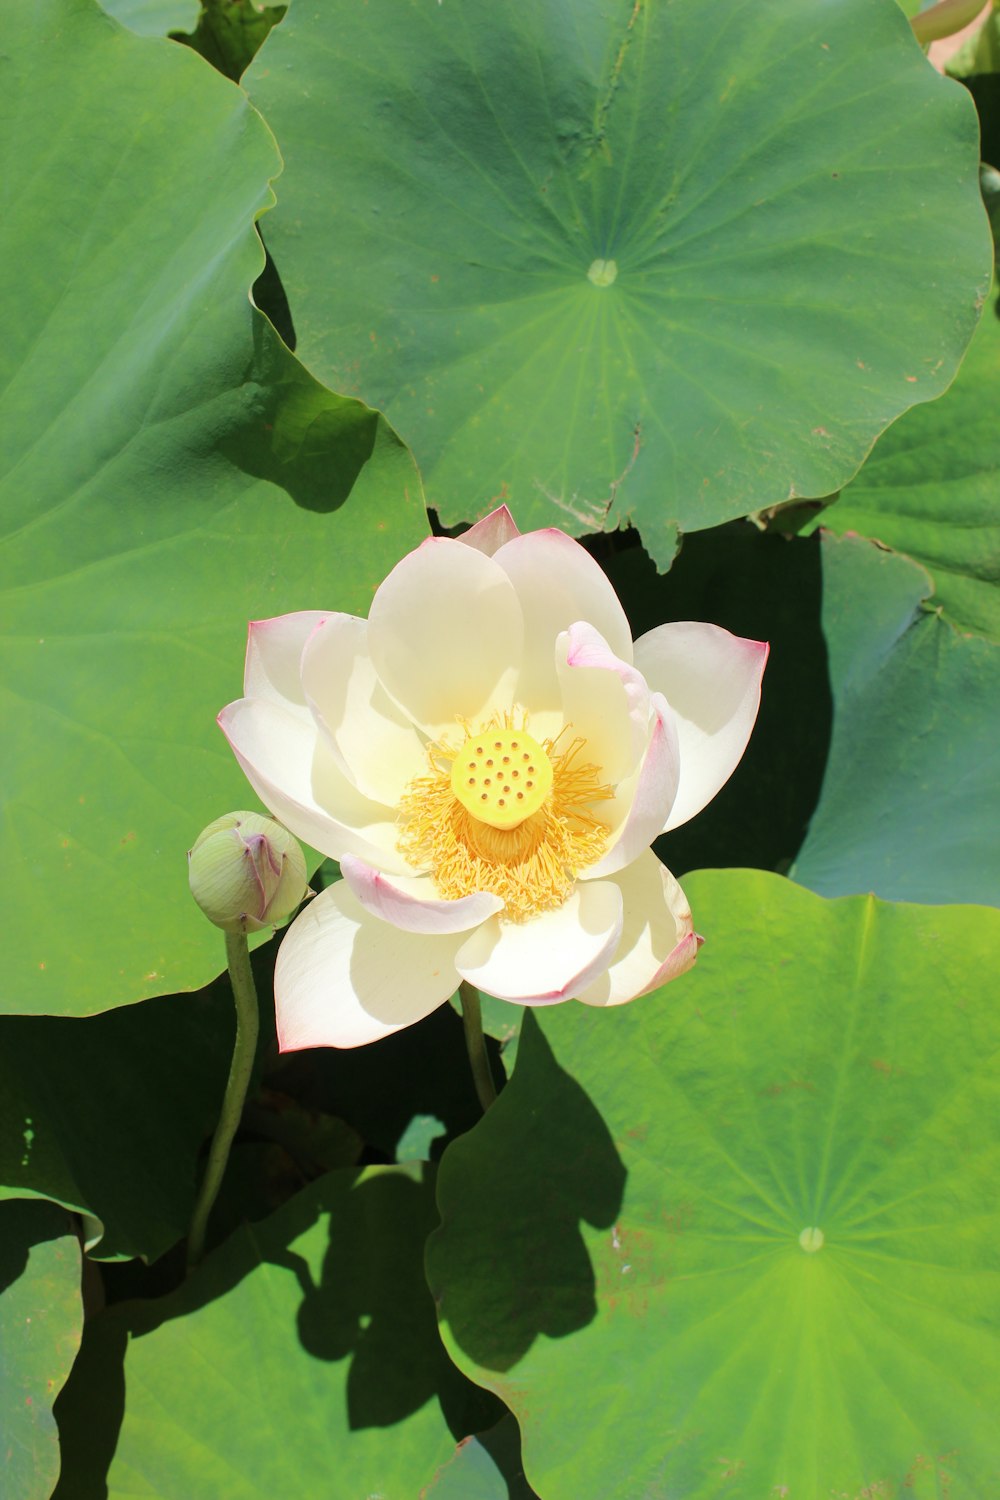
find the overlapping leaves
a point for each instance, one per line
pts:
(329, 1376)
(910, 800)
(170, 473)
(659, 262)
(108, 1115)
(930, 489)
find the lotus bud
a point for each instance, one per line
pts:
(246, 872)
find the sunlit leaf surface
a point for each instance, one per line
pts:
(738, 1237)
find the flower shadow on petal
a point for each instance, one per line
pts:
(509, 1262)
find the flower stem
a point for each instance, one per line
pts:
(475, 1044)
(244, 1051)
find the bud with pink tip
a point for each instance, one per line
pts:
(246, 872)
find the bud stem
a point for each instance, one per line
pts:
(244, 1052)
(475, 1044)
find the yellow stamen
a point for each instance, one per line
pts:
(529, 861)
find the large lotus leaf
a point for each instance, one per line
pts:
(931, 489)
(171, 472)
(41, 1318)
(910, 801)
(614, 261)
(739, 1238)
(107, 1115)
(326, 1374)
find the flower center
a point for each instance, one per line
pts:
(501, 777)
(507, 814)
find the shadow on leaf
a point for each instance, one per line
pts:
(25, 1223)
(370, 1302)
(295, 433)
(329, 1295)
(509, 1262)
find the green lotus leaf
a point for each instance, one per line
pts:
(647, 262)
(171, 472)
(910, 800)
(740, 1237)
(41, 1319)
(930, 489)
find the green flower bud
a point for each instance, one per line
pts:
(246, 872)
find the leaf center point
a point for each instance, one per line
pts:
(602, 272)
(811, 1240)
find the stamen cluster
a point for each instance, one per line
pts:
(531, 866)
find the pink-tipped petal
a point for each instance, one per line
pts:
(274, 655)
(410, 902)
(551, 957)
(295, 776)
(558, 583)
(445, 634)
(711, 679)
(373, 741)
(604, 700)
(490, 534)
(643, 802)
(658, 940)
(344, 979)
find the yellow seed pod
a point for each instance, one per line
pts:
(501, 776)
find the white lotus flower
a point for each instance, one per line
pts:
(489, 759)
